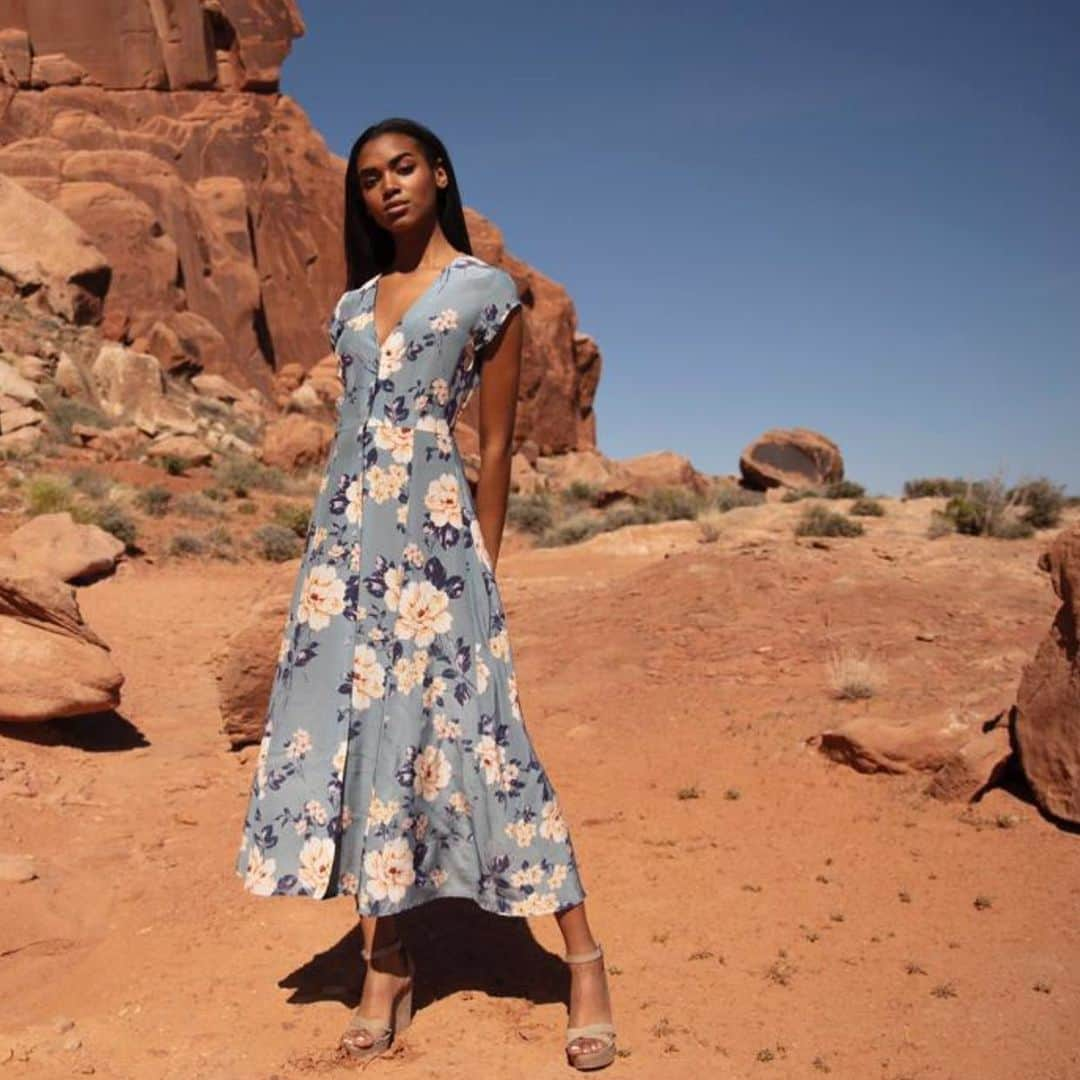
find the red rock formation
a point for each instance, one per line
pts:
(1048, 699)
(791, 457)
(157, 127)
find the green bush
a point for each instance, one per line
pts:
(66, 412)
(243, 474)
(986, 508)
(940, 524)
(194, 504)
(1043, 502)
(154, 501)
(674, 503)
(818, 520)
(246, 507)
(91, 483)
(570, 531)
(731, 498)
(116, 520)
(844, 489)
(616, 517)
(187, 544)
(929, 486)
(867, 508)
(46, 494)
(796, 494)
(295, 518)
(530, 513)
(276, 543)
(580, 491)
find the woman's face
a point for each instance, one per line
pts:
(396, 183)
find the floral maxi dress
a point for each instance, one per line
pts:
(395, 765)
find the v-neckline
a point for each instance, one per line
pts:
(380, 345)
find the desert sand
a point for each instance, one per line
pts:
(786, 916)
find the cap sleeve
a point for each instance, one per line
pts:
(500, 298)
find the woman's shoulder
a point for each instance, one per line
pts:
(488, 277)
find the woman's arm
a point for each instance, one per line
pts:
(500, 373)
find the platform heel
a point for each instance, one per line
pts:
(382, 1035)
(602, 1030)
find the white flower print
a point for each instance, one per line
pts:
(338, 764)
(350, 883)
(529, 875)
(459, 803)
(283, 648)
(389, 870)
(323, 482)
(423, 612)
(445, 321)
(385, 484)
(354, 502)
(323, 596)
(491, 757)
(483, 674)
(445, 728)
(318, 537)
(553, 827)
(397, 439)
(438, 877)
(413, 554)
(437, 424)
(358, 322)
(394, 578)
(316, 858)
(403, 515)
(443, 500)
(346, 817)
(522, 831)
(536, 903)
(367, 677)
(508, 776)
(500, 645)
(434, 692)
(354, 557)
(299, 744)
(391, 354)
(432, 771)
(315, 810)
(409, 671)
(558, 875)
(380, 812)
(261, 875)
(260, 765)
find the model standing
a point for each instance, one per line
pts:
(395, 764)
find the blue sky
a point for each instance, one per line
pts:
(860, 218)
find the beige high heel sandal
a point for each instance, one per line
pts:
(382, 1035)
(603, 1029)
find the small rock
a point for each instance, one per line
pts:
(925, 635)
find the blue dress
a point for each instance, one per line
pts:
(395, 765)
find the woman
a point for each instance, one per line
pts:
(395, 765)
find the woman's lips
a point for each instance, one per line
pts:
(396, 208)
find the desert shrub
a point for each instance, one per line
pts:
(929, 486)
(246, 507)
(795, 494)
(186, 544)
(574, 529)
(632, 513)
(221, 543)
(818, 520)
(91, 483)
(276, 543)
(240, 475)
(674, 503)
(530, 513)
(1042, 500)
(867, 508)
(194, 504)
(295, 518)
(853, 675)
(580, 491)
(155, 501)
(844, 489)
(986, 508)
(116, 520)
(731, 498)
(216, 494)
(940, 525)
(65, 412)
(46, 494)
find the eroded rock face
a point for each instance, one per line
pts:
(58, 546)
(1047, 723)
(55, 665)
(791, 457)
(156, 129)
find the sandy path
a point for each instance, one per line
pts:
(768, 934)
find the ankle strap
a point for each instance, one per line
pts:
(368, 955)
(584, 957)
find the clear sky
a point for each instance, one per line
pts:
(859, 217)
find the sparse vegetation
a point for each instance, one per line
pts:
(186, 544)
(867, 508)
(531, 513)
(844, 489)
(154, 501)
(294, 518)
(240, 475)
(195, 504)
(818, 520)
(47, 494)
(276, 543)
(734, 497)
(929, 486)
(852, 675)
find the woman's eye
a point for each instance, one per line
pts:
(406, 169)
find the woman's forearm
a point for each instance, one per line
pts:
(492, 492)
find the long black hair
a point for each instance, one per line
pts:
(369, 249)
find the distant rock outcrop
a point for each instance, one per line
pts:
(791, 457)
